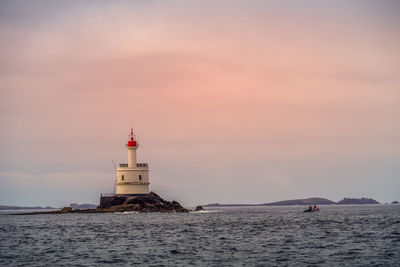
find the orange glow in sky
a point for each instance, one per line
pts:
(232, 101)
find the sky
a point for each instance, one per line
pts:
(232, 101)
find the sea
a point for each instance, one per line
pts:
(360, 235)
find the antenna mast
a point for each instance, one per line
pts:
(115, 178)
(115, 167)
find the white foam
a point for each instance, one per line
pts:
(127, 212)
(204, 211)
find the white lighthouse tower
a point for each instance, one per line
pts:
(132, 177)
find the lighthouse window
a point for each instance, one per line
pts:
(140, 177)
(122, 177)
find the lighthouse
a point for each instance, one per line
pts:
(132, 177)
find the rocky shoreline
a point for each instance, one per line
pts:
(143, 204)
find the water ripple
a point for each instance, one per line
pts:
(337, 235)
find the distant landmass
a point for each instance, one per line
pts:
(293, 202)
(73, 206)
(5, 207)
(395, 202)
(304, 202)
(230, 205)
(357, 201)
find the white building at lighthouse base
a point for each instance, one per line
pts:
(133, 180)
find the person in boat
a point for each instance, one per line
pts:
(310, 208)
(316, 208)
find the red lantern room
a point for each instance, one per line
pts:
(132, 140)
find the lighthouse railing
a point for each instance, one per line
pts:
(125, 165)
(142, 165)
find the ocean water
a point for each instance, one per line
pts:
(263, 236)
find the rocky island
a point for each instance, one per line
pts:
(357, 201)
(305, 201)
(146, 203)
(120, 203)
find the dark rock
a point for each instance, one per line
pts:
(66, 210)
(199, 208)
(107, 202)
(76, 206)
(145, 203)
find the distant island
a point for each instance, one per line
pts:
(73, 206)
(5, 207)
(304, 202)
(357, 201)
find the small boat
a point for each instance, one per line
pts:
(311, 209)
